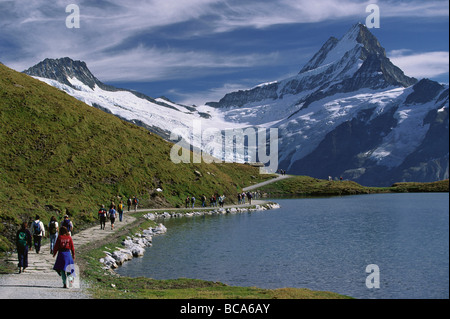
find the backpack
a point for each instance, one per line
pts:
(120, 206)
(22, 240)
(37, 228)
(52, 227)
(66, 223)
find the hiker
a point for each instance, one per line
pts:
(64, 264)
(112, 217)
(221, 200)
(239, 198)
(249, 196)
(135, 203)
(68, 224)
(243, 198)
(203, 200)
(23, 242)
(187, 201)
(38, 232)
(129, 203)
(102, 216)
(120, 210)
(193, 201)
(53, 229)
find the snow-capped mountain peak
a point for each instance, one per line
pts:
(64, 69)
(349, 112)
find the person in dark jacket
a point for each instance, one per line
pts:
(23, 243)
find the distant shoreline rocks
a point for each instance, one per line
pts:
(217, 211)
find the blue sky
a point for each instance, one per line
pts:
(194, 51)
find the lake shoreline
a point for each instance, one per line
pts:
(134, 246)
(109, 284)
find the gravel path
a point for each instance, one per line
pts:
(276, 179)
(40, 281)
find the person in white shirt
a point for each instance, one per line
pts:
(38, 231)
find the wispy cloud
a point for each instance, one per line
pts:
(210, 95)
(112, 32)
(421, 65)
(148, 64)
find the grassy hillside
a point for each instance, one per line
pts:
(59, 155)
(308, 186)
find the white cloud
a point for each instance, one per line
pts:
(148, 64)
(211, 95)
(421, 65)
(36, 29)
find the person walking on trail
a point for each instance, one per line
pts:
(135, 203)
(53, 229)
(187, 201)
(193, 201)
(129, 202)
(112, 216)
(64, 264)
(249, 197)
(120, 210)
(102, 216)
(38, 232)
(23, 243)
(68, 224)
(203, 198)
(221, 200)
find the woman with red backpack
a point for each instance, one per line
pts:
(64, 265)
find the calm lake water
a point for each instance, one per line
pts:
(316, 243)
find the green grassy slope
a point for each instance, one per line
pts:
(308, 186)
(59, 155)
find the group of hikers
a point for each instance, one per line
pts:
(61, 244)
(190, 200)
(249, 195)
(113, 211)
(60, 235)
(215, 199)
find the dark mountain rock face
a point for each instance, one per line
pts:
(425, 91)
(63, 69)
